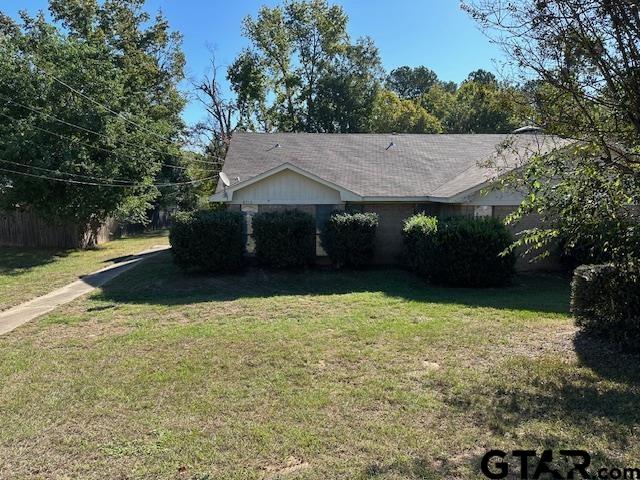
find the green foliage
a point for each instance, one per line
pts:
(284, 239)
(584, 85)
(208, 241)
(300, 61)
(418, 234)
(460, 251)
(392, 114)
(409, 82)
(605, 300)
(349, 238)
(302, 72)
(484, 106)
(116, 55)
(582, 200)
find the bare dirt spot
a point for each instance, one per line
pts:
(292, 465)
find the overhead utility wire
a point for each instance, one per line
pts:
(119, 185)
(71, 139)
(117, 114)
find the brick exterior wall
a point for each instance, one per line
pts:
(389, 234)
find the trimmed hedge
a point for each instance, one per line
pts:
(349, 238)
(285, 239)
(459, 251)
(605, 300)
(208, 241)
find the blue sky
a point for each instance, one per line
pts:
(435, 33)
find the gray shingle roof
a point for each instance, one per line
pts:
(437, 165)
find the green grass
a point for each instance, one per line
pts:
(367, 375)
(26, 273)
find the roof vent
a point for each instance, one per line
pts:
(277, 145)
(528, 129)
(390, 145)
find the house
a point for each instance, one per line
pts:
(393, 175)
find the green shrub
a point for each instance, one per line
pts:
(208, 241)
(464, 252)
(418, 236)
(349, 238)
(605, 300)
(284, 239)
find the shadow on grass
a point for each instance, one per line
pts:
(605, 359)
(544, 401)
(18, 260)
(159, 281)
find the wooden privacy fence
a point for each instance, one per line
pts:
(27, 229)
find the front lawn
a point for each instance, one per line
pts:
(369, 375)
(26, 273)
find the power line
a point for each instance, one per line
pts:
(78, 182)
(95, 102)
(78, 126)
(73, 125)
(58, 172)
(71, 139)
(111, 111)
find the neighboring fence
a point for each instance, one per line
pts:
(158, 219)
(27, 229)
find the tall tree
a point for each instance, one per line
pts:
(298, 49)
(410, 82)
(91, 100)
(584, 59)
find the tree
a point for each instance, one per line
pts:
(581, 59)
(482, 77)
(224, 116)
(297, 50)
(56, 76)
(484, 106)
(410, 82)
(393, 114)
(346, 95)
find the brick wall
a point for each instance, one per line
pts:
(389, 234)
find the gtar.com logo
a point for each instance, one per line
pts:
(496, 465)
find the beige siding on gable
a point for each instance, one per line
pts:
(286, 188)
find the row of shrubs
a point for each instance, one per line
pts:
(467, 252)
(457, 251)
(214, 241)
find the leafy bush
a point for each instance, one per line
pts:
(605, 300)
(419, 235)
(349, 238)
(284, 239)
(208, 241)
(460, 251)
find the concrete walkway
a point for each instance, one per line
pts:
(21, 314)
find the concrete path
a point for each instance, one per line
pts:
(21, 314)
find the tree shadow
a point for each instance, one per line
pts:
(159, 281)
(18, 260)
(606, 359)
